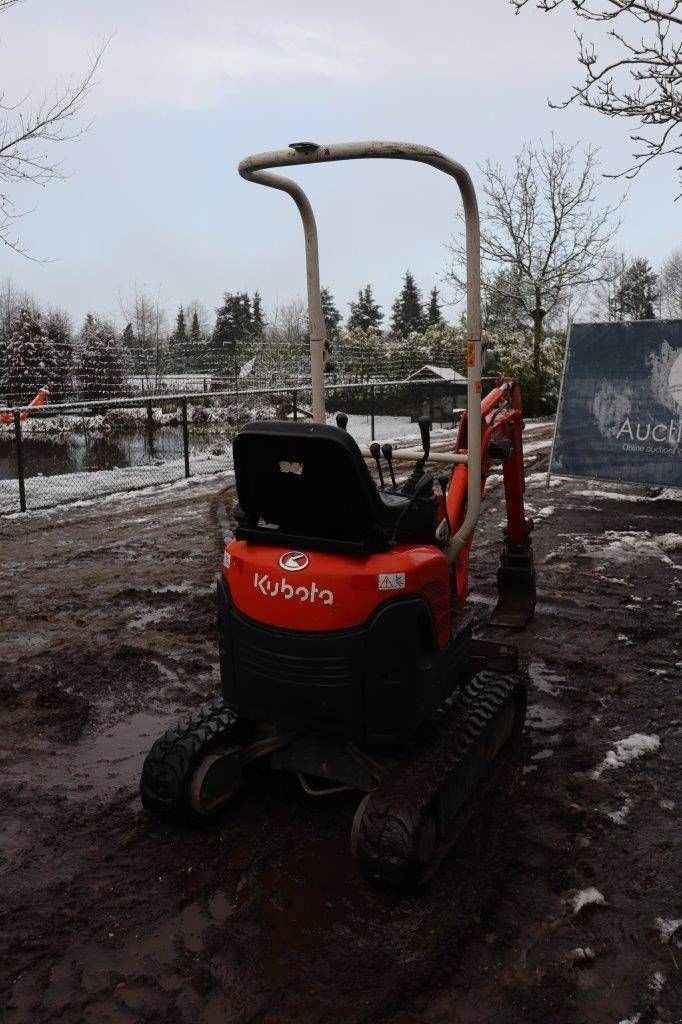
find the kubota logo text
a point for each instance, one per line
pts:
(281, 588)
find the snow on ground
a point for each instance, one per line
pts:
(668, 494)
(667, 926)
(71, 488)
(56, 492)
(619, 817)
(587, 898)
(620, 546)
(627, 750)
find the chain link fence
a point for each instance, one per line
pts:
(87, 450)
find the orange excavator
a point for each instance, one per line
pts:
(347, 654)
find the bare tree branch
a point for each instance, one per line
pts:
(643, 83)
(28, 135)
(543, 236)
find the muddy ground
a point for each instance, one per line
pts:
(107, 636)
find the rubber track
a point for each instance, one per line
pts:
(169, 765)
(399, 805)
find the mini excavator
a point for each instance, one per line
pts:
(346, 647)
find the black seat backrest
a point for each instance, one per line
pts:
(307, 482)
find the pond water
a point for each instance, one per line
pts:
(59, 454)
(71, 453)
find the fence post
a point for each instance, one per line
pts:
(185, 436)
(371, 410)
(150, 415)
(20, 460)
(294, 402)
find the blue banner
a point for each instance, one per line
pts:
(620, 408)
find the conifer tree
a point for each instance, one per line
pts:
(128, 337)
(434, 314)
(197, 345)
(58, 327)
(365, 315)
(29, 358)
(178, 344)
(233, 332)
(257, 318)
(332, 317)
(102, 369)
(407, 314)
(636, 294)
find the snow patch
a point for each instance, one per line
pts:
(627, 750)
(657, 982)
(545, 513)
(668, 494)
(625, 545)
(667, 926)
(587, 898)
(619, 817)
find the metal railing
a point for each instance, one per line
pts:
(88, 450)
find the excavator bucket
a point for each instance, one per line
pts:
(515, 587)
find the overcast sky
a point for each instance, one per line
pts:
(188, 89)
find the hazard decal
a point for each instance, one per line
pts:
(391, 580)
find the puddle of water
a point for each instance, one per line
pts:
(102, 764)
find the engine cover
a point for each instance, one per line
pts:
(321, 592)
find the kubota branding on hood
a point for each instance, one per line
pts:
(282, 588)
(321, 590)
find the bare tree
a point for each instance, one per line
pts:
(643, 81)
(605, 295)
(149, 348)
(670, 280)
(28, 135)
(542, 225)
(283, 352)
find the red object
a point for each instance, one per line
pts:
(40, 399)
(502, 419)
(331, 592)
(325, 592)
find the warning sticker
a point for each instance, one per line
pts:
(391, 580)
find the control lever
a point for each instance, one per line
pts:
(425, 431)
(342, 420)
(416, 474)
(375, 452)
(443, 482)
(387, 451)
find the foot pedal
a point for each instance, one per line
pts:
(515, 586)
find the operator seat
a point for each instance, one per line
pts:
(306, 485)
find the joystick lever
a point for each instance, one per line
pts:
(425, 431)
(387, 452)
(375, 452)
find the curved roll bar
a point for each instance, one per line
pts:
(255, 168)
